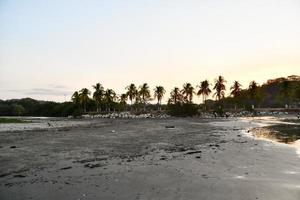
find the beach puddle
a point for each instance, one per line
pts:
(282, 133)
(288, 134)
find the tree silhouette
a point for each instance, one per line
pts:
(285, 92)
(144, 94)
(253, 91)
(131, 92)
(76, 98)
(110, 97)
(188, 92)
(98, 95)
(235, 91)
(84, 97)
(159, 92)
(123, 100)
(220, 88)
(204, 90)
(175, 96)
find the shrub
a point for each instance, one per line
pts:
(182, 110)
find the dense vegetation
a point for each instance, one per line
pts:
(276, 93)
(31, 107)
(10, 120)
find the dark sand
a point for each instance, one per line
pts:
(142, 159)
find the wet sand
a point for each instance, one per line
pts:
(147, 159)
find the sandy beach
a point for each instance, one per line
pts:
(176, 158)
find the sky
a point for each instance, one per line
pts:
(49, 49)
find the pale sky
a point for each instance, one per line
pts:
(49, 49)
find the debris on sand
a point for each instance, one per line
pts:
(241, 142)
(163, 157)
(4, 174)
(90, 160)
(19, 176)
(214, 145)
(8, 184)
(170, 126)
(205, 176)
(127, 115)
(65, 168)
(193, 152)
(91, 165)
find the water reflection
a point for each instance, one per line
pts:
(281, 133)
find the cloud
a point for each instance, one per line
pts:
(47, 91)
(56, 90)
(57, 86)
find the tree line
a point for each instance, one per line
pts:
(287, 92)
(275, 93)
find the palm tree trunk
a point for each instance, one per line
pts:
(158, 107)
(203, 99)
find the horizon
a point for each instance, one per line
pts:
(49, 50)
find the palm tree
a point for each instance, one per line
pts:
(175, 96)
(204, 90)
(110, 97)
(159, 92)
(131, 92)
(253, 88)
(76, 99)
(144, 93)
(123, 100)
(84, 97)
(235, 90)
(220, 88)
(188, 92)
(98, 95)
(285, 92)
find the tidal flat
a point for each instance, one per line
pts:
(174, 158)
